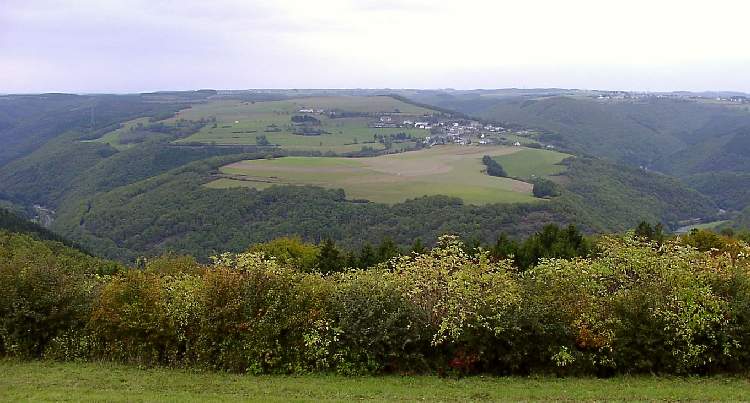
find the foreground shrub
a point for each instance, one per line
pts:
(466, 299)
(633, 306)
(44, 293)
(257, 316)
(376, 327)
(636, 307)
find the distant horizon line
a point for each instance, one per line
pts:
(259, 89)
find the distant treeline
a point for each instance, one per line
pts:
(326, 257)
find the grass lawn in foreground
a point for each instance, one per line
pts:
(442, 170)
(39, 381)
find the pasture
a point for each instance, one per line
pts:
(54, 381)
(442, 170)
(528, 163)
(113, 138)
(241, 122)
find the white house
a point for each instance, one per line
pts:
(517, 144)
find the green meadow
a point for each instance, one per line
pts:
(241, 122)
(442, 170)
(113, 138)
(530, 162)
(52, 381)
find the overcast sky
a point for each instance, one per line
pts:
(144, 45)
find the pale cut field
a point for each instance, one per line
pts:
(446, 170)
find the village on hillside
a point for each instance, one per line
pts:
(441, 129)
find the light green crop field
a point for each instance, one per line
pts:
(50, 381)
(113, 138)
(240, 122)
(442, 170)
(530, 162)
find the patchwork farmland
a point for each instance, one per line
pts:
(336, 123)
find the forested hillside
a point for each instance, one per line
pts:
(123, 200)
(173, 211)
(12, 222)
(637, 133)
(730, 190)
(703, 142)
(675, 135)
(28, 121)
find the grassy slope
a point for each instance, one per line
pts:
(448, 170)
(110, 382)
(345, 134)
(529, 162)
(113, 138)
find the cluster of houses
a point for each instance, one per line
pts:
(736, 99)
(310, 110)
(453, 131)
(443, 130)
(625, 95)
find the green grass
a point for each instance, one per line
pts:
(113, 138)
(445, 170)
(530, 162)
(48, 381)
(704, 226)
(239, 123)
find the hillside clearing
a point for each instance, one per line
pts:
(50, 381)
(113, 138)
(444, 170)
(528, 163)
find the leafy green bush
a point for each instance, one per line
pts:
(466, 299)
(639, 307)
(632, 306)
(44, 293)
(377, 328)
(259, 316)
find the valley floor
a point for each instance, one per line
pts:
(111, 382)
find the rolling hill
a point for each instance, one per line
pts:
(169, 186)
